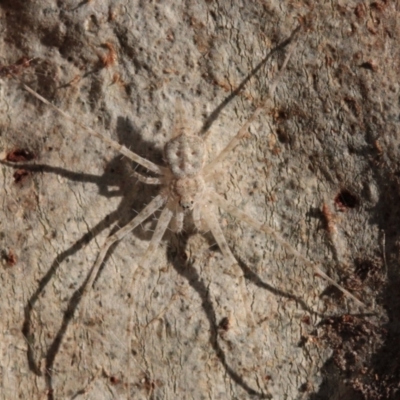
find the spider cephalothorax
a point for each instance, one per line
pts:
(187, 191)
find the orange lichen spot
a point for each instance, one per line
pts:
(329, 218)
(110, 58)
(75, 80)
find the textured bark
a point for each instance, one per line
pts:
(320, 167)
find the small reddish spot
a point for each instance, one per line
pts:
(224, 324)
(280, 115)
(20, 175)
(345, 200)
(114, 380)
(10, 257)
(369, 65)
(20, 155)
(15, 69)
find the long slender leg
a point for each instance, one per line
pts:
(177, 221)
(221, 202)
(146, 179)
(152, 207)
(209, 168)
(115, 145)
(198, 223)
(213, 224)
(161, 227)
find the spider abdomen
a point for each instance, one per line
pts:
(185, 155)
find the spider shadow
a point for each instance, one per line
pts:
(214, 115)
(187, 270)
(133, 197)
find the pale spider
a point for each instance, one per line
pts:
(186, 188)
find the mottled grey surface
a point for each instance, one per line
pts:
(181, 330)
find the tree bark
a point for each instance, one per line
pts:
(320, 166)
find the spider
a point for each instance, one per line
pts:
(185, 188)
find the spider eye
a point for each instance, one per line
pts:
(186, 205)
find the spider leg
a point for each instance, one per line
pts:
(112, 143)
(213, 225)
(221, 202)
(209, 168)
(211, 221)
(162, 225)
(177, 221)
(152, 207)
(146, 179)
(198, 222)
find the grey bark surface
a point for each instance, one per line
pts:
(320, 166)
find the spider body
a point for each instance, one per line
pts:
(185, 155)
